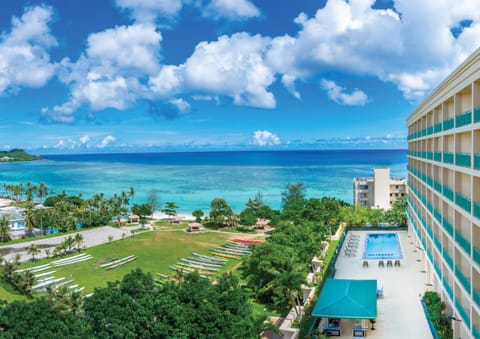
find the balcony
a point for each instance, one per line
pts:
(463, 242)
(447, 192)
(437, 156)
(448, 227)
(476, 333)
(430, 129)
(437, 127)
(437, 186)
(476, 209)
(476, 255)
(448, 124)
(437, 215)
(463, 119)
(463, 159)
(476, 161)
(448, 260)
(476, 117)
(448, 157)
(476, 297)
(430, 155)
(463, 314)
(463, 279)
(463, 202)
(448, 288)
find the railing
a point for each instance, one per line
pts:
(437, 186)
(463, 119)
(465, 316)
(463, 159)
(476, 333)
(437, 127)
(463, 202)
(476, 161)
(448, 259)
(463, 279)
(476, 209)
(476, 255)
(437, 215)
(448, 192)
(448, 288)
(437, 156)
(476, 297)
(448, 157)
(448, 227)
(476, 117)
(463, 242)
(448, 124)
(429, 155)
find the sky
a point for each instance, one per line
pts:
(181, 75)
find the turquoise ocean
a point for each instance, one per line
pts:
(193, 179)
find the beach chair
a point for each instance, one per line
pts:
(365, 263)
(389, 263)
(397, 263)
(381, 264)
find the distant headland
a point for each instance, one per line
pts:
(17, 154)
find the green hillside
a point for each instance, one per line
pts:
(17, 155)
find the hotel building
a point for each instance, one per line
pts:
(379, 191)
(444, 193)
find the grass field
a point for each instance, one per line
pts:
(156, 251)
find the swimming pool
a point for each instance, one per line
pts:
(382, 246)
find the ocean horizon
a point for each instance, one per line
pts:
(193, 179)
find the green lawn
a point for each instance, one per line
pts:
(156, 251)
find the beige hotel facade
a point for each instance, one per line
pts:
(444, 193)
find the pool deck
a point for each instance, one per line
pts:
(399, 312)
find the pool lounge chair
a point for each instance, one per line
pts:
(397, 263)
(365, 263)
(389, 263)
(381, 264)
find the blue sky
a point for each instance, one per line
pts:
(167, 75)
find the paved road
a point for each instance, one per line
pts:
(91, 237)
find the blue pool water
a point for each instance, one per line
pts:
(382, 246)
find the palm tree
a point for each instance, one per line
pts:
(29, 280)
(78, 240)
(33, 250)
(69, 243)
(42, 191)
(29, 219)
(4, 229)
(131, 192)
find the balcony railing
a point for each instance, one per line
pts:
(476, 161)
(476, 209)
(476, 117)
(448, 192)
(463, 202)
(476, 297)
(437, 186)
(463, 242)
(476, 332)
(448, 157)
(437, 127)
(430, 155)
(463, 279)
(437, 156)
(448, 226)
(448, 124)
(463, 119)
(476, 255)
(465, 316)
(448, 259)
(448, 288)
(463, 159)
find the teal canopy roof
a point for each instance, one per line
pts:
(347, 299)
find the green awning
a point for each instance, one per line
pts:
(347, 299)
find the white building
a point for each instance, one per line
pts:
(444, 192)
(379, 191)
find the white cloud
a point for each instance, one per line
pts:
(338, 94)
(265, 138)
(232, 66)
(149, 10)
(181, 105)
(231, 9)
(84, 139)
(106, 141)
(24, 58)
(413, 46)
(111, 73)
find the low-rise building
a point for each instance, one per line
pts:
(379, 191)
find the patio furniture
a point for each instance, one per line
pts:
(389, 263)
(397, 263)
(381, 264)
(365, 263)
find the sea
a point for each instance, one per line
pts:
(193, 179)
